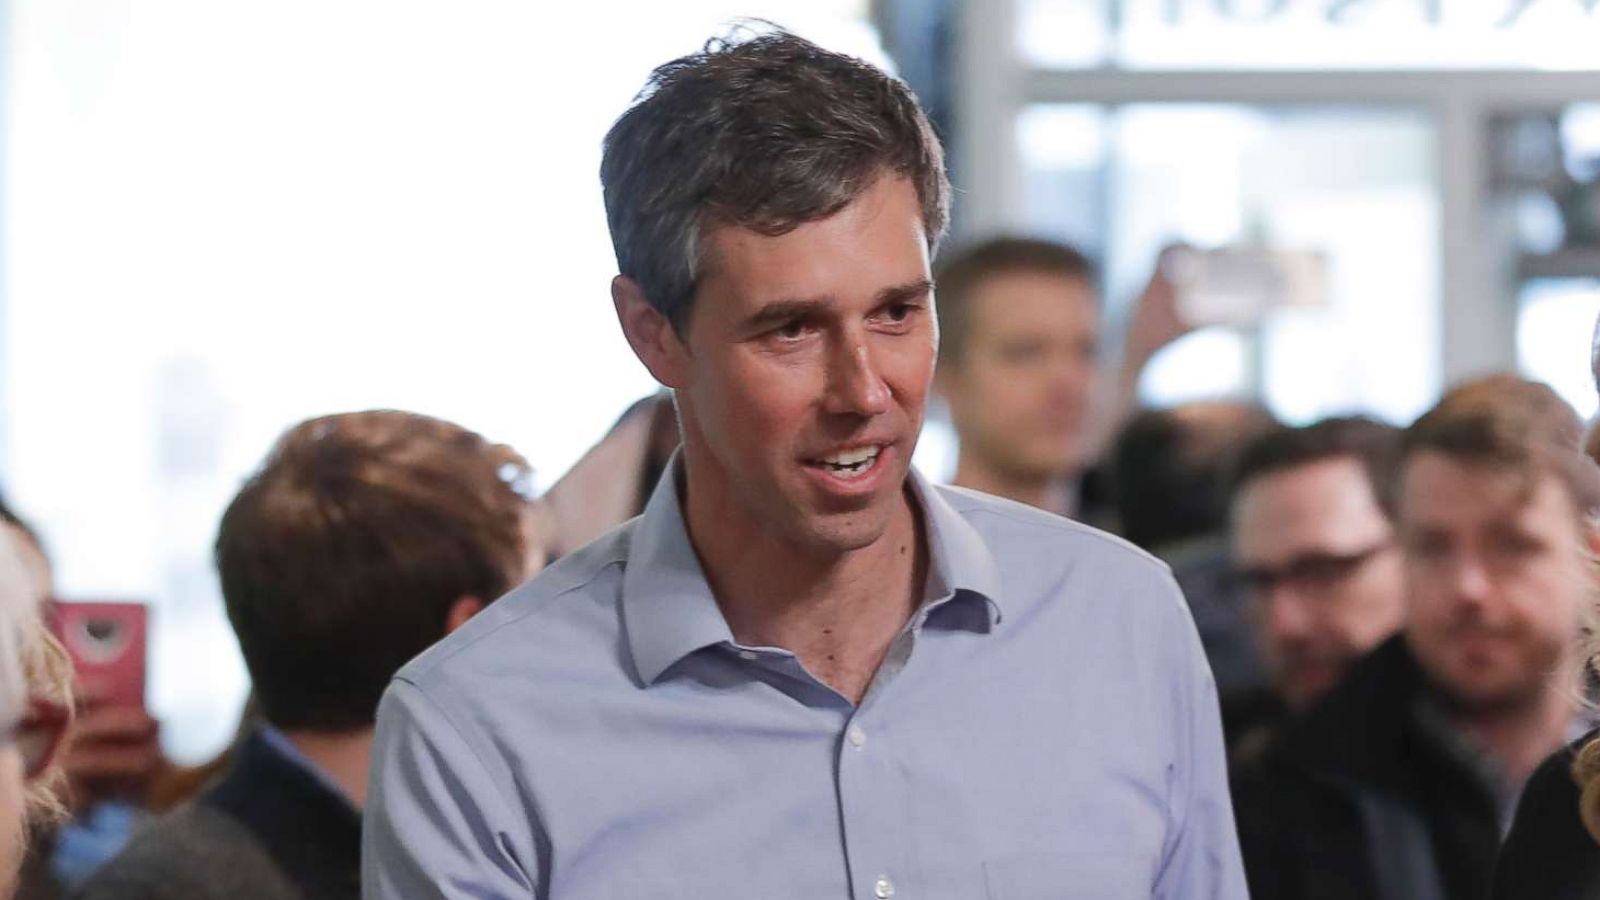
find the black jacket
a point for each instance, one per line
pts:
(1368, 797)
(1548, 855)
(268, 830)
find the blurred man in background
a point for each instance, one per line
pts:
(1169, 472)
(363, 539)
(1400, 782)
(1019, 354)
(1020, 368)
(1315, 554)
(1314, 546)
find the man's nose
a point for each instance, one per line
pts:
(855, 386)
(1470, 582)
(1285, 614)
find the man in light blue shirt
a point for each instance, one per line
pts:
(804, 672)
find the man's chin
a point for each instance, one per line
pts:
(840, 534)
(1477, 694)
(1307, 683)
(1050, 464)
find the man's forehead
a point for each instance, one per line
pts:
(1322, 505)
(1315, 485)
(1440, 488)
(1021, 297)
(875, 244)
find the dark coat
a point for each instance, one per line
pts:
(1548, 855)
(269, 830)
(1365, 798)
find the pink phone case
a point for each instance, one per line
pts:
(106, 641)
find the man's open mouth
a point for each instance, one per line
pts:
(852, 463)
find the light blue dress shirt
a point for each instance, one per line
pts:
(1044, 727)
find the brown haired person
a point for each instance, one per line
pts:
(363, 539)
(805, 671)
(1400, 782)
(1315, 556)
(1020, 369)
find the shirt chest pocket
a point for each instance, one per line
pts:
(1066, 876)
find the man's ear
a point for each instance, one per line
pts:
(651, 336)
(460, 611)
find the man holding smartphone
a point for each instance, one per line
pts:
(804, 671)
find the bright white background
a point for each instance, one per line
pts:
(225, 217)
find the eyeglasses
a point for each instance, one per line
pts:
(38, 735)
(1309, 573)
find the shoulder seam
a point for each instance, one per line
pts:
(537, 605)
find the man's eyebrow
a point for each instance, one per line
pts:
(922, 287)
(779, 311)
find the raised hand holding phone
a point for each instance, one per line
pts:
(114, 751)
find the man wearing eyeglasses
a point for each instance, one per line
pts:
(1400, 781)
(1314, 549)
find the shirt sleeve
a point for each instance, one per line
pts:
(435, 824)
(1202, 852)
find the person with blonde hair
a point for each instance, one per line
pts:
(1553, 849)
(35, 711)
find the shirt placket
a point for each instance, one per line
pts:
(870, 789)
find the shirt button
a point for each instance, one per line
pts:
(857, 737)
(884, 889)
(749, 655)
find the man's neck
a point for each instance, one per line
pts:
(1053, 494)
(1520, 737)
(343, 757)
(838, 613)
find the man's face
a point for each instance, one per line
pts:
(1496, 579)
(1315, 553)
(806, 368)
(1020, 393)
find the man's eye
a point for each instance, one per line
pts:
(791, 331)
(900, 312)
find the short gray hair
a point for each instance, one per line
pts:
(765, 132)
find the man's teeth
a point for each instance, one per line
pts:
(851, 462)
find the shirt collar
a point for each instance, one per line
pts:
(280, 744)
(959, 562)
(669, 612)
